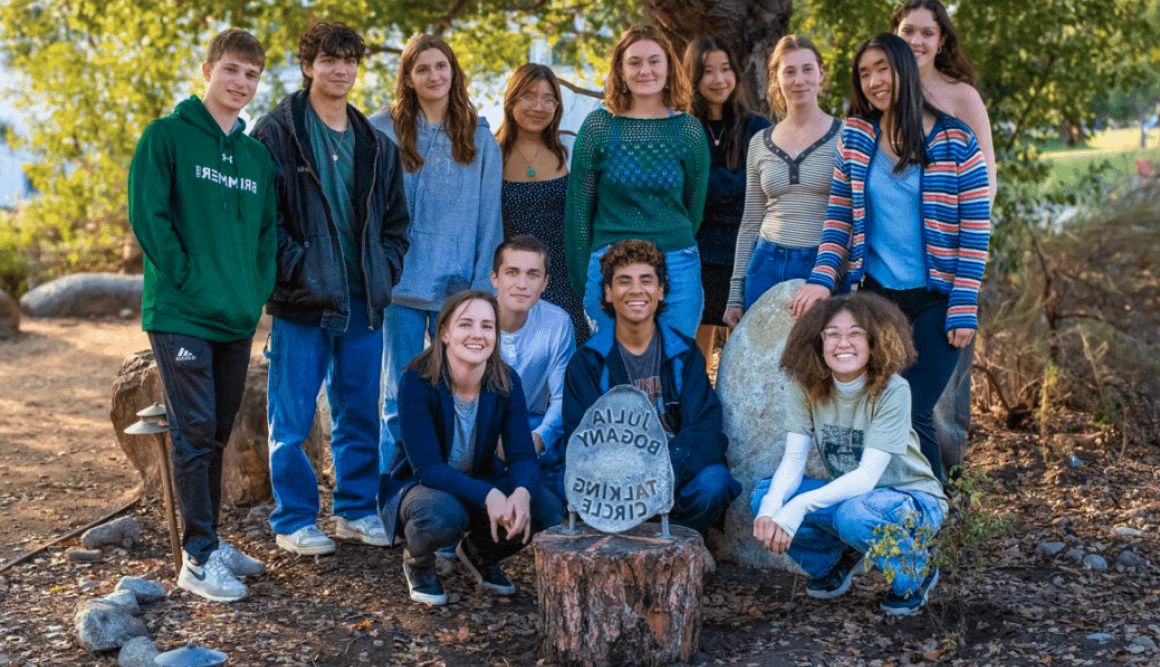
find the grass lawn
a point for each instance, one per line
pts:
(1118, 147)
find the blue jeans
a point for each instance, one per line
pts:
(203, 382)
(826, 532)
(702, 501)
(685, 298)
(301, 358)
(404, 333)
(772, 264)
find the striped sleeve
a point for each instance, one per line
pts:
(834, 249)
(755, 206)
(974, 235)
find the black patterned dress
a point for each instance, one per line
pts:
(537, 208)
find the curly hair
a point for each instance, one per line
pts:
(461, 121)
(431, 364)
(522, 81)
(888, 335)
(951, 59)
(785, 46)
(618, 99)
(632, 251)
(335, 39)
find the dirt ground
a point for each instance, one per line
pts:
(1001, 601)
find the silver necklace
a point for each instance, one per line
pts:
(716, 137)
(327, 139)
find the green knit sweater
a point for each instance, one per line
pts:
(634, 178)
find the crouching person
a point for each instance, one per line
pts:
(667, 366)
(847, 399)
(445, 483)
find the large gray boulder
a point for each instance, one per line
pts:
(103, 626)
(9, 316)
(753, 393)
(85, 295)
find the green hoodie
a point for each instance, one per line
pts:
(203, 207)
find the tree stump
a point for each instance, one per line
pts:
(631, 598)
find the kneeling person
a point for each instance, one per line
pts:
(668, 367)
(848, 400)
(456, 400)
(537, 339)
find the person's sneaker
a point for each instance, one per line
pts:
(239, 563)
(368, 530)
(306, 541)
(423, 584)
(905, 605)
(490, 576)
(837, 581)
(211, 580)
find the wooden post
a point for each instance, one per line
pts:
(631, 598)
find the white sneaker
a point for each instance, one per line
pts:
(239, 563)
(211, 580)
(368, 530)
(306, 541)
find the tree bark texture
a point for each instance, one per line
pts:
(751, 27)
(632, 598)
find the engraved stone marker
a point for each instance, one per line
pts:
(618, 472)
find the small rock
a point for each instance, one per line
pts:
(1125, 531)
(146, 590)
(5, 661)
(1073, 460)
(1011, 552)
(137, 652)
(126, 600)
(102, 626)
(1145, 642)
(1076, 554)
(3, 581)
(259, 513)
(123, 532)
(83, 555)
(1129, 558)
(254, 535)
(126, 313)
(1095, 562)
(1061, 521)
(1100, 637)
(89, 584)
(1049, 549)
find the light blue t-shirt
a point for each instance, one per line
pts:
(894, 253)
(462, 456)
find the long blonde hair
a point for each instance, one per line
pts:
(461, 120)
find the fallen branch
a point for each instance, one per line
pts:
(20, 559)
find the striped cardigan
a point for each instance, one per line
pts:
(956, 215)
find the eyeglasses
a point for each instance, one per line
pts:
(832, 336)
(531, 100)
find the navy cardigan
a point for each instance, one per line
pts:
(427, 422)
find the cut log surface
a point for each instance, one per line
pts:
(632, 598)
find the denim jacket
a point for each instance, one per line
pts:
(456, 216)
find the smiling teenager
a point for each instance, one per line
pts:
(909, 218)
(342, 231)
(452, 179)
(457, 399)
(729, 126)
(535, 177)
(202, 205)
(640, 170)
(787, 179)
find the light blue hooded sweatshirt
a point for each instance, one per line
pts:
(456, 216)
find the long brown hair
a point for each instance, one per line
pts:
(785, 46)
(431, 364)
(888, 335)
(460, 121)
(618, 99)
(951, 60)
(521, 81)
(734, 141)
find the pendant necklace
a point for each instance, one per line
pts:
(330, 146)
(531, 171)
(715, 137)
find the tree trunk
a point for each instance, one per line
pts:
(625, 599)
(751, 27)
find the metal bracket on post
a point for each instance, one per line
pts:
(665, 527)
(153, 422)
(572, 529)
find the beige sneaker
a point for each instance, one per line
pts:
(306, 541)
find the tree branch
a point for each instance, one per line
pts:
(445, 22)
(597, 94)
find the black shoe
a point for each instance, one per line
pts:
(837, 581)
(423, 583)
(905, 605)
(490, 576)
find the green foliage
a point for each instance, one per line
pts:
(14, 265)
